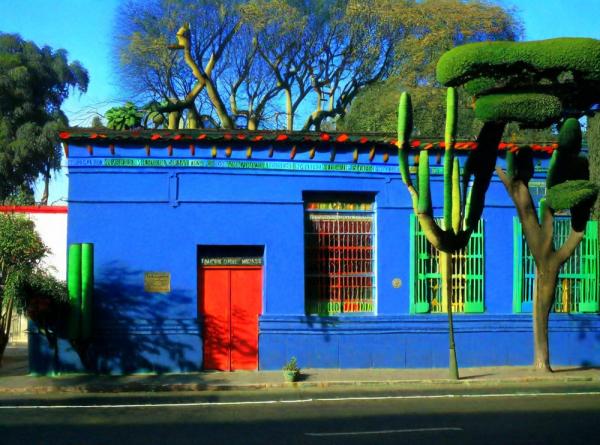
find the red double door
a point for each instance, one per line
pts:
(230, 301)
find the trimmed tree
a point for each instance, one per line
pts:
(537, 84)
(462, 208)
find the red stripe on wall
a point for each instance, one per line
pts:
(33, 209)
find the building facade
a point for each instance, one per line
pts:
(237, 250)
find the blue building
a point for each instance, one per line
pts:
(238, 250)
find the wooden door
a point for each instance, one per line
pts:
(230, 303)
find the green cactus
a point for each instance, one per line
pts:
(456, 207)
(457, 204)
(454, 233)
(449, 140)
(536, 84)
(424, 187)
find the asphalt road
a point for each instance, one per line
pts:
(377, 415)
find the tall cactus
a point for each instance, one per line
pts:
(461, 210)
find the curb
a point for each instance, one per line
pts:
(200, 387)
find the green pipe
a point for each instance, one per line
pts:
(74, 288)
(87, 289)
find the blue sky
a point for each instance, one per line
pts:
(85, 29)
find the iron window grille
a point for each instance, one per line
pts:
(340, 255)
(426, 282)
(578, 285)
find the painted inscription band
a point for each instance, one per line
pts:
(242, 164)
(229, 164)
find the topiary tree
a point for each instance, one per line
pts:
(593, 140)
(537, 84)
(462, 208)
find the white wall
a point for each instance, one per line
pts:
(52, 228)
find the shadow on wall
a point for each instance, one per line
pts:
(133, 331)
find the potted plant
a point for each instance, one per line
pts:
(291, 371)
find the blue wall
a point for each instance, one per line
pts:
(144, 219)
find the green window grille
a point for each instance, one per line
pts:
(577, 290)
(339, 243)
(467, 277)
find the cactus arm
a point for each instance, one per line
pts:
(424, 200)
(405, 127)
(451, 118)
(456, 207)
(449, 139)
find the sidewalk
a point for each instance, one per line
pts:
(14, 378)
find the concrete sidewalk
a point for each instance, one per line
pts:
(15, 380)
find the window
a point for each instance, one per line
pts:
(467, 277)
(577, 289)
(339, 251)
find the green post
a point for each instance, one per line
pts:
(87, 289)
(74, 287)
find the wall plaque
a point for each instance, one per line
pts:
(157, 282)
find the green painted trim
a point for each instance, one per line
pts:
(582, 267)
(590, 265)
(413, 263)
(74, 288)
(87, 289)
(475, 271)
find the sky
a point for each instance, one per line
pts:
(85, 29)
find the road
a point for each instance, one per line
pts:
(374, 415)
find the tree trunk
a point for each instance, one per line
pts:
(446, 272)
(226, 121)
(173, 120)
(46, 192)
(543, 298)
(288, 110)
(252, 123)
(3, 343)
(192, 122)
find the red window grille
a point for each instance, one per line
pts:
(339, 258)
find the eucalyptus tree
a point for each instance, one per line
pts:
(247, 62)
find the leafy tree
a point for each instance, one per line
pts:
(21, 251)
(375, 109)
(537, 84)
(124, 118)
(248, 62)
(34, 82)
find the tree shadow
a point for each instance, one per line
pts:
(133, 331)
